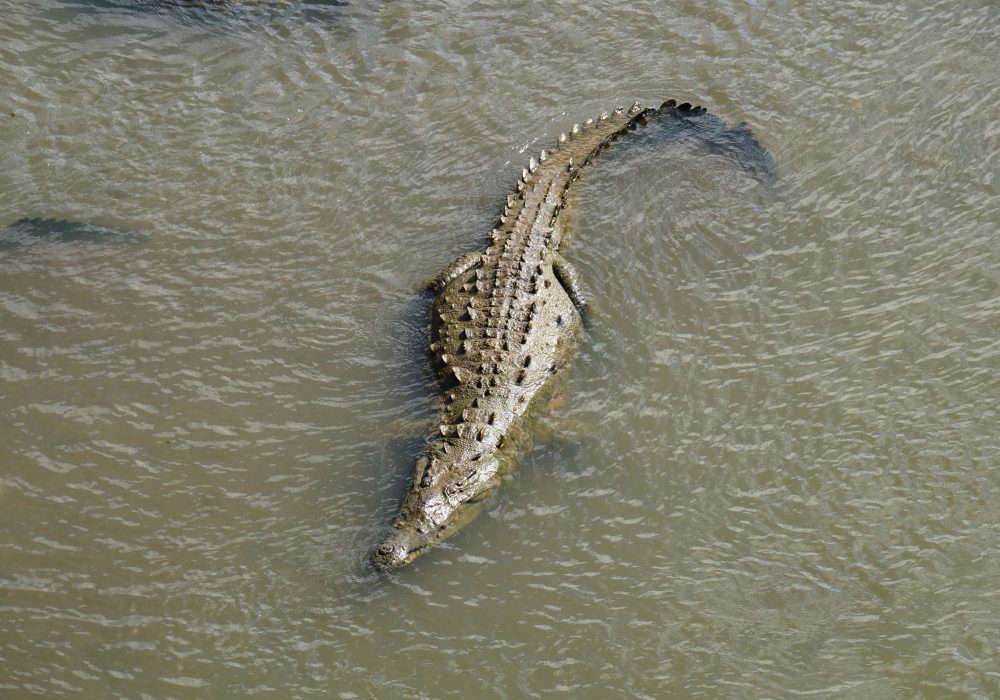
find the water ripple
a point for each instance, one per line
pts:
(770, 471)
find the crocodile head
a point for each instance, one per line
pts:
(435, 512)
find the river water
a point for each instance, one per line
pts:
(773, 470)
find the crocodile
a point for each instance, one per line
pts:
(504, 323)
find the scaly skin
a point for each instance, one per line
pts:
(504, 322)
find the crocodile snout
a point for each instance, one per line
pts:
(398, 549)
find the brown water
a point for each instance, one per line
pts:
(774, 470)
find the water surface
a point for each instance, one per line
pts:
(772, 473)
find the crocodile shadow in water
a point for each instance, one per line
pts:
(707, 134)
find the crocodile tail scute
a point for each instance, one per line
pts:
(578, 145)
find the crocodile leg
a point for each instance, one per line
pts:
(464, 263)
(570, 280)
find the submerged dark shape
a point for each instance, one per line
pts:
(205, 10)
(221, 4)
(505, 321)
(26, 232)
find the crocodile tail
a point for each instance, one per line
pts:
(578, 146)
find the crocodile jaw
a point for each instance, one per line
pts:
(432, 514)
(403, 544)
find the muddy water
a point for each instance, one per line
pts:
(773, 470)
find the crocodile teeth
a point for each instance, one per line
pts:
(543, 155)
(618, 110)
(588, 122)
(524, 174)
(532, 164)
(576, 128)
(604, 117)
(562, 138)
(635, 108)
